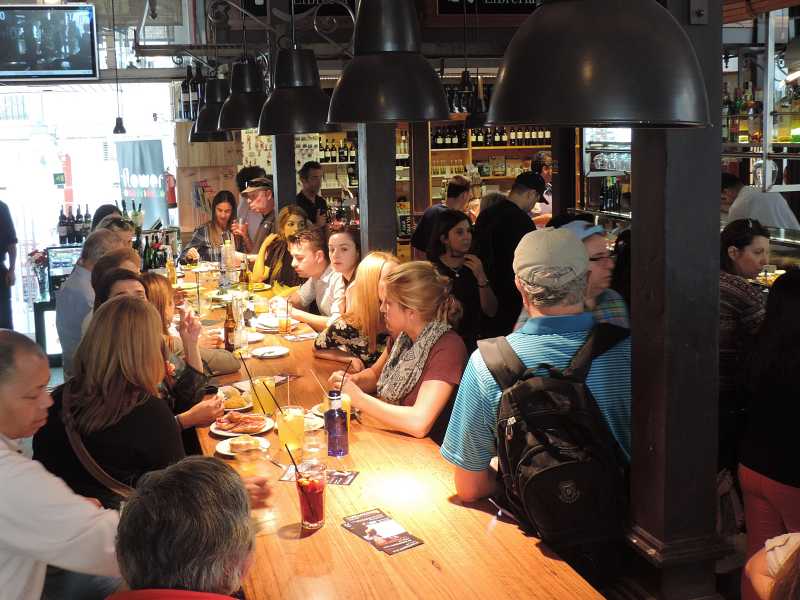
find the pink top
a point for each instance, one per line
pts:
(166, 595)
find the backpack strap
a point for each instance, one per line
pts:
(600, 340)
(501, 360)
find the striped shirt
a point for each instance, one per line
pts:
(470, 440)
(610, 308)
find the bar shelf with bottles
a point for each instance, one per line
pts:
(73, 229)
(606, 173)
(498, 154)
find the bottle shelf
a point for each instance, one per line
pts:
(626, 216)
(510, 147)
(607, 174)
(333, 164)
(449, 149)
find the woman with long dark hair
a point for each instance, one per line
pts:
(769, 472)
(744, 250)
(207, 238)
(450, 254)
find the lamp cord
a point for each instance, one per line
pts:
(116, 61)
(294, 43)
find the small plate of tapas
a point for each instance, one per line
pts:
(235, 423)
(270, 352)
(242, 443)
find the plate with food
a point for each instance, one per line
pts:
(186, 285)
(270, 352)
(235, 423)
(234, 400)
(230, 446)
(259, 287)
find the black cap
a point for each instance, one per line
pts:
(530, 180)
(258, 184)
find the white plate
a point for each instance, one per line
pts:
(247, 406)
(224, 447)
(268, 424)
(270, 352)
(252, 336)
(317, 410)
(270, 321)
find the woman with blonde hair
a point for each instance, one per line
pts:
(274, 263)
(417, 376)
(122, 402)
(359, 335)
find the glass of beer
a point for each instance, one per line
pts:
(254, 462)
(264, 394)
(291, 428)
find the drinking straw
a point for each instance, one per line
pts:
(255, 389)
(197, 281)
(341, 384)
(324, 390)
(296, 477)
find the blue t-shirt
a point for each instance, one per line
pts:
(470, 440)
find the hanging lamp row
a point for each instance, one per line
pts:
(622, 63)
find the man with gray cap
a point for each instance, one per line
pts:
(551, 273)
(260, 199)
(498, 230)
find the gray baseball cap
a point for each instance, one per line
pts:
(550, 258)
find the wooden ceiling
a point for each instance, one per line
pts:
(742, 10)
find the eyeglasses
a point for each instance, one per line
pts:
(610, 256)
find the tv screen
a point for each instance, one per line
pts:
(48, 42)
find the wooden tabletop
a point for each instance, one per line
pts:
(467, 552)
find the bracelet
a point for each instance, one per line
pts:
(178, 421)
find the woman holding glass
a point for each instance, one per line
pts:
(417, 376)
(207, 239)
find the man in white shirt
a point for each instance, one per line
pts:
(41, 520)
(746, 202)
(75, 298)
(325, 287)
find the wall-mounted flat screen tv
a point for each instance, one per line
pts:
(57, 42)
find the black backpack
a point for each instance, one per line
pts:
(562, 470)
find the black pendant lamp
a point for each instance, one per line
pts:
(388, 79)
(208, 115)
(242, 108)
(119, 128)
(628, 63)
(297, 104)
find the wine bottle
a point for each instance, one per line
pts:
(70, 226)
(62, 227)
(87, 223)
(186, 95)
(230, 329)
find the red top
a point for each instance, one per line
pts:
(445, 362)
(166, 595)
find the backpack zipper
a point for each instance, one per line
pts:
(510, 428)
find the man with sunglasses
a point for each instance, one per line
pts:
(260, 199)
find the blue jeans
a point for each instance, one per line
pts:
(68, 585)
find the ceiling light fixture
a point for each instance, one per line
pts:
(631, 65)
(388, 79)
(119, 127)
(297, 104)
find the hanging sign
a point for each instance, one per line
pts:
(141, 178)
(486, 7)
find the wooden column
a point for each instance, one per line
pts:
(563, 151)
(675, 310)
(284, 174)
(376, 187)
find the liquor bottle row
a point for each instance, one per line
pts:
(511, 136)
(156, 253)
(73, 229)
(742, 116)
(193, 88)
(456, 137)
(329, 152)
(448, 137)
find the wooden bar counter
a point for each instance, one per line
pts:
(467, 552)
